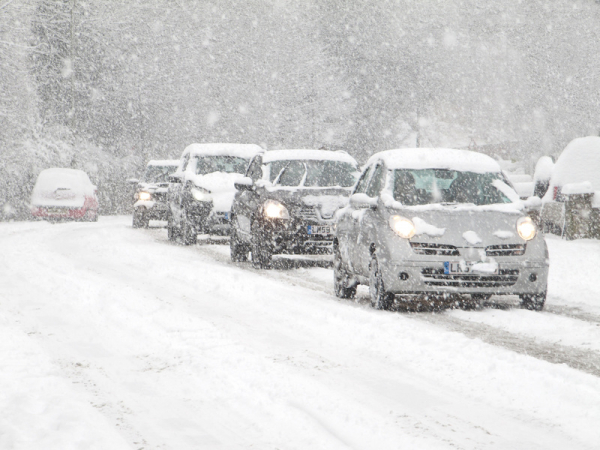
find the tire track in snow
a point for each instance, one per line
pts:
(580, 359)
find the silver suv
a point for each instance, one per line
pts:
(431, 222)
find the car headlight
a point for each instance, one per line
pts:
(275, 210)
(144, 195)
(526, 228)
(402, 227)
(201, 195)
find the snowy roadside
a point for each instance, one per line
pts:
(178, 349)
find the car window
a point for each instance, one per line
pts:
(376, 182)
(292, 174)
(361, 187)
(427, 186)
(220, 163)
(186, 160)
(255, 169)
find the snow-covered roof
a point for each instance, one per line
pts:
(436, 158)
(163, 162)
(308, 154)
(61, 177)
(579, 162)
(240, 150)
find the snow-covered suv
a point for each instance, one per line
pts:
(437, 221)
(201, 189)
(286, 203)
(151, 194)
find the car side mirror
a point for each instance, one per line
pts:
(173, 178)
(363, 201)
(244, 184)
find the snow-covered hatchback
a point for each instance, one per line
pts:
(64, 194)
(287, 202)
(431, 222)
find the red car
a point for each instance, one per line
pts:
(61, 194)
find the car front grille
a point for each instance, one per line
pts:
(308, 213)
(505, 250)
(423, 248)
(437, 277)
(160, 197)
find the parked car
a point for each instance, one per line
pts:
(151, 194)
(201, 189)
(571, 206)
(542, 175)
(64, 194)
(434, 222)
(287, 201)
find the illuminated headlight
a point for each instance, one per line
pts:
(201, 195)
(144, 196)
(275, 210)
(402, 227)
(526, 228)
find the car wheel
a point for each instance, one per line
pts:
(139, 220)
(380, 298)
(340, 277)
(534, 302)
(189, 233)
(172, 230)
(238, 249)
(262, 254)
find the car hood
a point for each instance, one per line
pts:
(326, 200)
(468, 228)
(221, 187)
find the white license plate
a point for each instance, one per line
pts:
(456, 267)
(319, 229)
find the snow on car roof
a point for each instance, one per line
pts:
(579, 162)
(306, 154)
(240, 150)
(436, 158)
(163, 162)
(52, 178)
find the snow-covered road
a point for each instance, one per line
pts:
(114, 338)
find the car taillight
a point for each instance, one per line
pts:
(555, 193)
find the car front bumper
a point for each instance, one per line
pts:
(511, 278)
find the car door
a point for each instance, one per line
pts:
(367, 220)
(246, 201)
(175, 190)
(349, 228)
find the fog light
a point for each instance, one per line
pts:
(403, 276)
(532, 277)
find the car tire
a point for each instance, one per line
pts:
(262, 254)
(533, 302)
(189, 233)
(139, 220)
(340, 277)
(172, 230)
(380, 298)
(238, 249)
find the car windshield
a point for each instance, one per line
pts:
(221, 163)
(428, 186)
(158, 174)
(312, 173)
